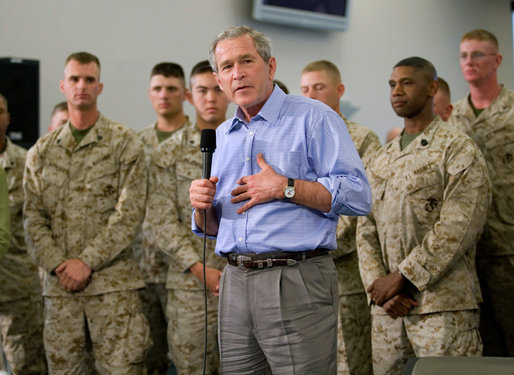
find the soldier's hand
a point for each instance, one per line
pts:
(399, 305)
(386, 287)
(212, 276)
(73, 275)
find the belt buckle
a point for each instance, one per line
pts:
(241, 259)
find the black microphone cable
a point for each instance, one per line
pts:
(204, 292)
(207, 146)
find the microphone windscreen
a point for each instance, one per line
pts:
(208, 140)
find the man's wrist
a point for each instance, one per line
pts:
(289, 189)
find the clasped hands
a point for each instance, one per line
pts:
(262, 187)
(389, 292)
(73, 274)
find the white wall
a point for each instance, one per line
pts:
(130, 36)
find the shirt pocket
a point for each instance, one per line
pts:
(288, 164)
(102, 186)
(424, 198)
(54, 180)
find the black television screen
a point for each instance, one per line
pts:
(312, 14)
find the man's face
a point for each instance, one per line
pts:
(321, 86)
(479, 60)
(442, 105)
(208, 99)
(167, 95)
(59, 118)
(410, 89)
(81, 85)
(4, 118)
(243, 75)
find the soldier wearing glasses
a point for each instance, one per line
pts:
(487, 116)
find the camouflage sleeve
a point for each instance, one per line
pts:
(128, 212)
(5, 232)
(371, 266)
(36, 221)
(345, 235)
(346, 226)
(173, 236)
(369, 146)
(467, 195)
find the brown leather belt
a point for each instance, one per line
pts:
(252, 261)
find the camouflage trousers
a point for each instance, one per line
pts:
(113, 324)
(153, 299)
(21, 330)
(395, 341)
(496, 323)
(354, 335)
(185, 312)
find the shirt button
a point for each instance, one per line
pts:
(251, 133)
(247, 158)
(240, 239)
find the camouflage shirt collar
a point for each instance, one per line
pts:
(500, 104)
(96, 134)
(422, 141)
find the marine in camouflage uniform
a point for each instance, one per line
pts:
(86, 201)
(154, 265)
(175, 163)
(429, 206)
(493, 132)
(487, 116)
(167, 93)
(21, 305)
(354, 331)
(321, 80)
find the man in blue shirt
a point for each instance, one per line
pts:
(284, 169)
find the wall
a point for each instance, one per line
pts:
(130, 36)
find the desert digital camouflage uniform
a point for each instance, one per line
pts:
(354, 326)
(5, 220)
(175, 163)
(153, 262)
(429, 207)
(86, 201)
(21, 304)
(493, 131)
(154, 265)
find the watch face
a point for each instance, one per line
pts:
(289, 192)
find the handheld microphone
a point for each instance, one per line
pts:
(207, 146)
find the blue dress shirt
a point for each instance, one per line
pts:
(300, 138)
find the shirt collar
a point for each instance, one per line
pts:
(270, 111)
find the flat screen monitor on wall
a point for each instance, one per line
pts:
(310, 14)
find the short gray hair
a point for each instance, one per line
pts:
(262, 42)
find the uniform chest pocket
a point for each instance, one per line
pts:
(424, 198)
(102, 186)
(54, 180)
(189, 169)
(54, 177)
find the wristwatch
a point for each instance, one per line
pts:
(289, 189)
